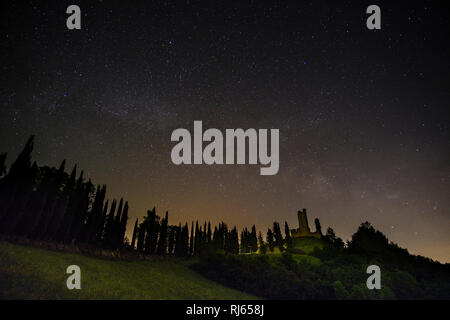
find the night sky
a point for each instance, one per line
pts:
(363, 115)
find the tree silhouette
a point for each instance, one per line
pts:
(318, 226)
(171, 240)
(277, 235)
(253, 240)
(209, 234)
(135, 231)
(50, 211)
(262, 245)
(141, 237)
(270, 240)
(287, 232)
(191, 240)
(123, 225)
(162, 243)
(197, 239)
(109, 227)
(2, 163)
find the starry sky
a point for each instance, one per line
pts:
(363, 115)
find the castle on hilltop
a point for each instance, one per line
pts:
(303, 227)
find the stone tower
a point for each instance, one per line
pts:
(303, 226)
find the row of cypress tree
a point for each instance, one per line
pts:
(44, 203)
(155, 236)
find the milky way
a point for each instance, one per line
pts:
(363, 115)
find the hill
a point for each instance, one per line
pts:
(326, 269)
(34, 273)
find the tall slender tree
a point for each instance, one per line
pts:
(162, 242)
(262, 245)
(277, 235)
(318, 226)
(287, 233)
(191, 240)
(133, 241)
(109, 227)
(270, 240)
(253, 240)
(171, 240)
(2, 163)
(122, 226)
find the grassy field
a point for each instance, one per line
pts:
(33, 273)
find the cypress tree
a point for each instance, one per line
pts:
(191, 240)
(171, 239)
(318, 226)
(50, 209)
(84, 192)
(91, 223)
(262, 245)
(32, 212)
(14, 183)
(16, 221)
(102, 223)
(242, 242)
(215, 238)
(133, 241)
(223, 230)
(63, 226)
(123, 225)
(2, 163)
(162, 243)
(152, 230)
(114, 237)
(234, 241)
(178, 241)
(287, 232)
(152, 235)
(209, 234)
(37, 206)
(186, 240)
(100, 217)
(204, 236)
(245, 241)
(270, 241)
(3, 183)
(23, 162)
(254, 240)
(197, 239)
(141, 237)
(200, 240)
(74, 208)
(109, 227)
(277, 235)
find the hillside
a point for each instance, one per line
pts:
(326, 269)
(33, 273)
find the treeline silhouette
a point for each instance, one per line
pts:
(48, 204)
(44, 203)
(154, 236)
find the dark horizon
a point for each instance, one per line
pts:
(362, 115)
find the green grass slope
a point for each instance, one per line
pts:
(33, 273)
(306, 245)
